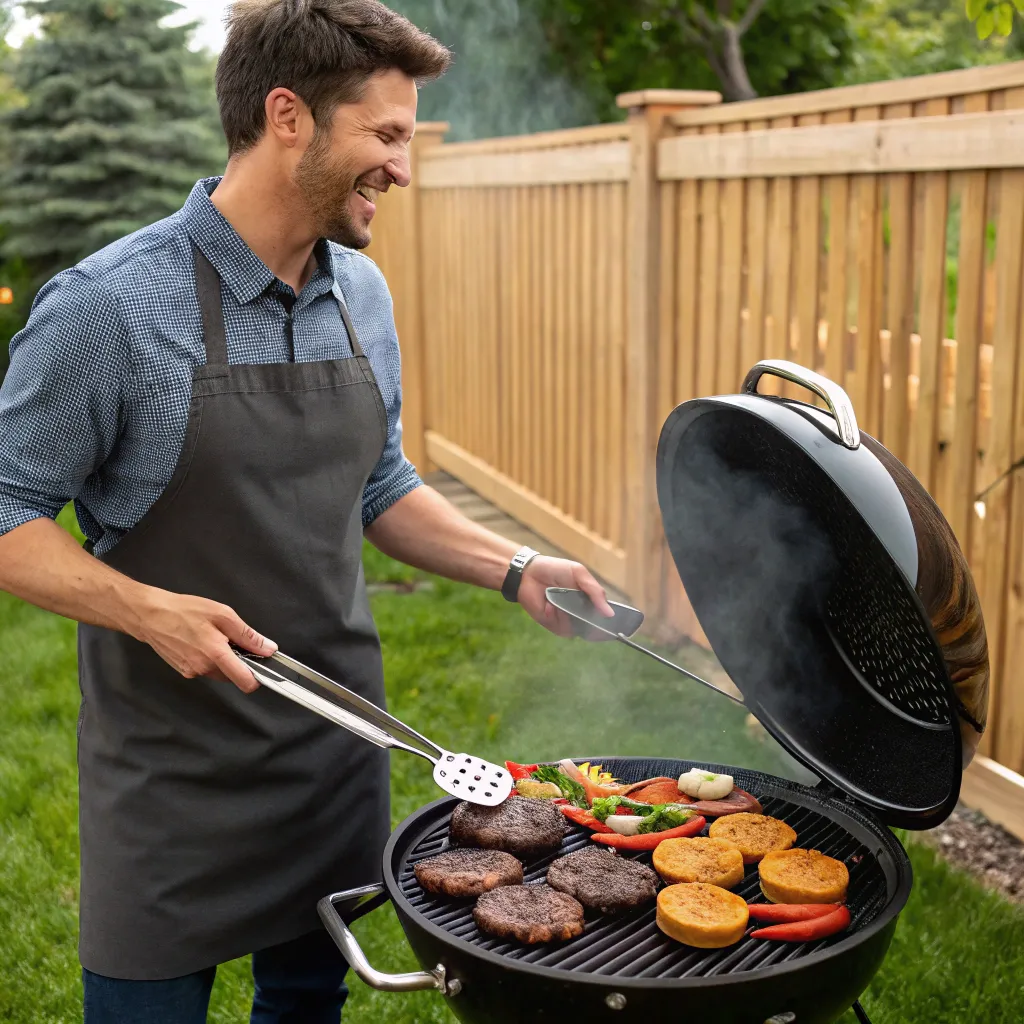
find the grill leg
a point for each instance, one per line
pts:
(861, 1015)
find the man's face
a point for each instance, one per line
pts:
(361, 153)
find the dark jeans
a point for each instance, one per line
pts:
(298, 982)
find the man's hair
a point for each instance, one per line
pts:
(322, 50)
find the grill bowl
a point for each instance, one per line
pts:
(622, 968)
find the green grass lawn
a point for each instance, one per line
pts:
(474, 674)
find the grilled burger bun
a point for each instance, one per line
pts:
(754, 835)
(700, 915)
(803, 876)
(700, 859)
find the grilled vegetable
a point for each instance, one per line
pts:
(538, 790)
(806, 931)
(592, 789)
(663, 818)
(596, 773)
(704, 785)
(583, 817)
(650, 840)
(572, 790)
(604, 806)
(624, 824)
(520, 771)
(783, 913)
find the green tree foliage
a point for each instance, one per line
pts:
(607, 47)
(900, 38)
(502, 82)
(13, 273)
(115, 129)
(528, 65)
(993, 15)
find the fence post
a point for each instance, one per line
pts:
(407, 251)
(649, 111)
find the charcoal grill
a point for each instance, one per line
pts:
(836, 597)
(622, 968)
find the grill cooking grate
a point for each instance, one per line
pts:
(630, 945)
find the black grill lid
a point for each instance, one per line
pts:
(799, 556)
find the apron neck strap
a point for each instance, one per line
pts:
(210, 305)
(212, 309)
(357, 349)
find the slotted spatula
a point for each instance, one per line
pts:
(468, 778)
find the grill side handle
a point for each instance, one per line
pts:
(340, 909)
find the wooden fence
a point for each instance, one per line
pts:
(558, 294)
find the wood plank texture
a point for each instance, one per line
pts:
(907, 90)
(966, 141)
(607, 161)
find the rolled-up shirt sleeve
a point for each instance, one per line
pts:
(62, 398)
(394, 476)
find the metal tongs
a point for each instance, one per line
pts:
(589, 624)
(469, 778)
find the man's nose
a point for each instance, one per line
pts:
(400, 169)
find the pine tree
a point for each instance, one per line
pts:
(115, 128)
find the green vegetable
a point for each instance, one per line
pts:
(572, 790)
(663, 817)
(606, 806)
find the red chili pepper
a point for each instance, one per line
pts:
(520, 771)
(806, 931)
(584, 818)
(783, 913)
(649, 840)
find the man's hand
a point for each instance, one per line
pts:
(41, 563)
(542, 573)
(193, 636)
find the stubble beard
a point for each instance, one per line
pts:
(326, 186)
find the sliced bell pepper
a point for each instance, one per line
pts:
(806, 931)
(520, 771)
(649, 840)
(782, 913)
(584, 818)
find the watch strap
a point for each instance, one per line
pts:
(514, 577)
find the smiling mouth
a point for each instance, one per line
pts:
(369, 194)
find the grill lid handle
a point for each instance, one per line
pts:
(837, 400)
(354, 904)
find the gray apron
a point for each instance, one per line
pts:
(211, 822)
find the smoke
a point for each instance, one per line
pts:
(758, 564)
(501, 82)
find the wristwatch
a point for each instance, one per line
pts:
(510, 588)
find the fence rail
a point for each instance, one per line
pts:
(557, 295)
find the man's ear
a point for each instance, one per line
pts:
(289, 120)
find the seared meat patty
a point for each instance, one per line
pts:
(468, 872)
(601, 878)
(529, 913)
(524, 827)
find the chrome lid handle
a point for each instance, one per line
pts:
(837, 400)
(416, 981)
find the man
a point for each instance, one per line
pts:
(219, 393)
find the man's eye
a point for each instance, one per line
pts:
(386, 139)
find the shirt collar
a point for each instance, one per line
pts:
(238, 266)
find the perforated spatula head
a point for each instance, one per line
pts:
(469, 778)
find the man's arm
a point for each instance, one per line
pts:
(60, 407)
(425, 530)
(42, 564)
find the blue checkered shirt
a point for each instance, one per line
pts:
(94, 406)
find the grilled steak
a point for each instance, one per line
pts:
(603, 879)
(529, 913)
(468, 872)
(524, 827)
